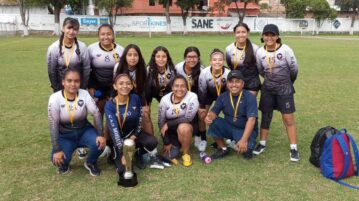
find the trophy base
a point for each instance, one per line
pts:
(128, 182)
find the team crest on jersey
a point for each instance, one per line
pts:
(62, 106)
(98, 55)
(279, 56)
(183, 106)
(134, 108)
(116, 56)
(223, 80)
(80, 103)
(169, 76)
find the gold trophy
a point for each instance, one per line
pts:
(129, 178)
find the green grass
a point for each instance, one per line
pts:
(327, 91)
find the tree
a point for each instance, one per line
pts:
(242, 14)
(78, 6)
(295, 8)
(221, 5)
(113, 5)
(166, 4)
(351, 6)
(185, 5)
(321, 11)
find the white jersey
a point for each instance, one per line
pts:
(236, 56)
(176, 113)
(59, 116)
(207, 88)
(279, 69)
(103, 63)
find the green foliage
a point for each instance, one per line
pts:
(187, 4)
(348, 5)
(321, 10)
(295, 8)
(111, 6)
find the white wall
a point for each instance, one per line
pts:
(9, 22)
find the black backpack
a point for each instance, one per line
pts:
(318, 142)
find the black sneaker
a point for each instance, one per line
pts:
(220, 153)
(81, 153)
(93, 169)
(294, 155)
(140, 162)
(259, 149)
(64, 169)
(248, 155)
(156, 163)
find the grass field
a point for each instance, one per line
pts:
(327, 94)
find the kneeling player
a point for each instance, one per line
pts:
(176, 112)
(239, 107)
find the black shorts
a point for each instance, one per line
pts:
(283, 103)
(171, 137)
(252, 84)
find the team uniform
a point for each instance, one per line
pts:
(279, 69)
(132, 121)
(176, 113)
(69, 127)
(210, 86)
(235, 60)
(102, 65)
(159, 86)
(192, 81)
(232, 127)
(58, 63)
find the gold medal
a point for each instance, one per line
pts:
(68, 57)
(235, 61)
(234, 119)
(218, 86)
(271, 63)
(235, 109)
(72, 111)
(121, 124)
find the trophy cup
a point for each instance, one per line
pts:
(129, 178)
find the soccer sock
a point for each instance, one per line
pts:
(293, 146)
(262, 142)
(203, 135)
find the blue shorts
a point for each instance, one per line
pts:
(220, 129)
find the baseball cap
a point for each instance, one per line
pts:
(271, 28)
(235, 74)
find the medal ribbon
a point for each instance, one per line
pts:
(219, 86)
(235, 63)
(68, 57)
(72, 112)
(121, 124)
(164, 80)
(235, 109)
(189, 82)
(270, 65)
(177, 109)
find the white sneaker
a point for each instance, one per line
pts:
(202, 145)
(81, 153)
(106, 152)
(197, 141)
(232, 144)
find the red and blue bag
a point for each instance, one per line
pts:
(336, 161)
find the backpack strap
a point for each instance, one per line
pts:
(345, 150)
(356, 153)
(346, 184)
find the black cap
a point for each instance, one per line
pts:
(271, 28)
(235, 74)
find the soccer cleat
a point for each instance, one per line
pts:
(93, 169)
(106, 152)
(259, 149)
(220, 153)
(202, 146)
(81, 153)
(294, 155)
(187, 161)
(156, 163)
(64, 169)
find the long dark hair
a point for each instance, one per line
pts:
(197, 69)
(74, 24)
(140, 68)
(71, 70)
(153, 70)
(107, 26)
(249, 53)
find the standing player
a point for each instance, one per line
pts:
(212, 82)
(240, 55)
(124, 118)
(278, 65)
(104, 55)
(69, 127)
(176, 112)
(68, 52)
(240, 111)
(160, 76)
(191, 68)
